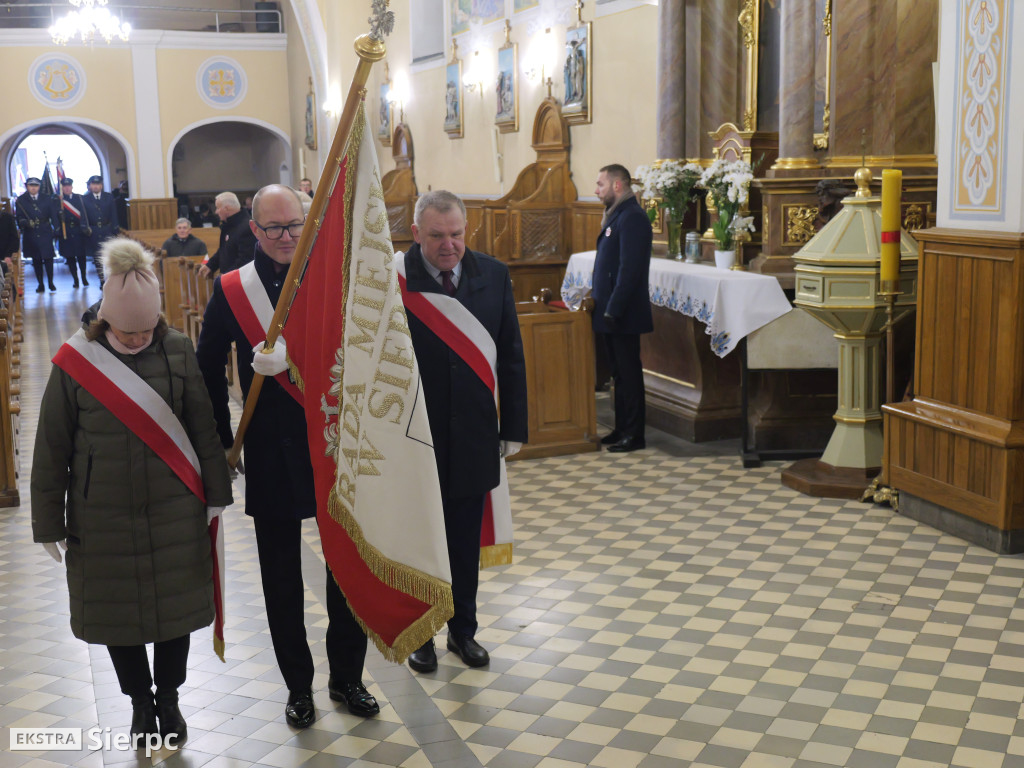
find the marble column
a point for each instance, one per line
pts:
(853, 90)
(721, 67)
(796, 85)
(672, 79)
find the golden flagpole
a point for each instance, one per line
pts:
(370, 48)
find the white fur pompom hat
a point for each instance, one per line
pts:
(131, 293)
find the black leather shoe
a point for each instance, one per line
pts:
(74, 284)
(172, 724)
(53, 287)
(85, 282)
(299, 711)
(424, 658)
(611, 438)
(627, 444)
(354, 696)
(40, 289)
(143, 722)
(469, 650)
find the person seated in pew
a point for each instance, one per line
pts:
(183, 242)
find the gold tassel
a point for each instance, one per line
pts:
(495, 555)
(218, 648)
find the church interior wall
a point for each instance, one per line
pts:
(181, 105)
(623, 124)
(108, 96)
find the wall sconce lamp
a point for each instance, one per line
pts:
(398, 94)
(539, 61)
(476, 74)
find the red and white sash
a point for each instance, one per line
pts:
(70, 208)
(134, 403)
(252, 309)
(147, 415)
(457, 327)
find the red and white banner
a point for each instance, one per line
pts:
(378, 496)
(148, 416)
(457, 327)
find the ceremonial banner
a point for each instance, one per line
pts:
(378, 497)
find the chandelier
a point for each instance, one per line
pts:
(92, 21)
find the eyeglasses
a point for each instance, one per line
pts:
(277, 232)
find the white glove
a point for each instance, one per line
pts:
(509, 448)
(212, 512)
(273, 362)
(52, 549)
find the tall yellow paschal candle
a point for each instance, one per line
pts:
(892, 183)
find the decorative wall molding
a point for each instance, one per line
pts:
(56, 80)
(981, 108)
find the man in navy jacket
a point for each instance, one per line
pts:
(622, 305)
(470, 433)
(102, 215)
(36, 220)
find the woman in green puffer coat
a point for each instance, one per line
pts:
(139, 566)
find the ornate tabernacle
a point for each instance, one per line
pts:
(400, 188)
(530, 228)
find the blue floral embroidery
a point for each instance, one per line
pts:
(720, 343)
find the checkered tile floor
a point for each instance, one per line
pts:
(667, 608)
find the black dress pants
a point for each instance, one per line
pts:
(170, 660)
(73, 251)
(463, 518)
(279, 543)
(41, 264)
(628, 376)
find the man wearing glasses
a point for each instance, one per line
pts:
(279, 491)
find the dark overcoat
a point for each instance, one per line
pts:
(621, 271)
(464, 422)
(36, 220)
(103, 219)
(237, 244)
(138, 559)
(71, 229)
(278, 472)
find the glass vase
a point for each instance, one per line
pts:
(675, 236)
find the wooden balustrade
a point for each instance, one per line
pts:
(10, 374)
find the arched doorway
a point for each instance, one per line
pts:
(85, 150)
(227, 155)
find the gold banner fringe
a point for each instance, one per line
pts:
(296, 376)
(410, 581)
(218, 648)
(495, 555)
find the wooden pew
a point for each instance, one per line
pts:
(9, 403)
(531, 228)
(151, 213)
(559, 350)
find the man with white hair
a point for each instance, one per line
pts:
(237, 243)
